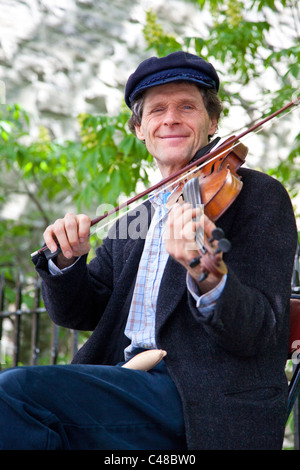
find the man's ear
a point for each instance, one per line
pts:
(213, 126)
(139, 133)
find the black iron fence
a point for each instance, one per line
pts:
(27, 335)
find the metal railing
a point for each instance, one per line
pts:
(21, 307)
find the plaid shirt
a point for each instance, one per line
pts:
(140, 328)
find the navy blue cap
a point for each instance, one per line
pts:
(171, 68)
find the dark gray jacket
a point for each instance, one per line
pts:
(229, 366)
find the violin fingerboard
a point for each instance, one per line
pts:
(191, 194)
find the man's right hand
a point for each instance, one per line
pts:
(72, 233)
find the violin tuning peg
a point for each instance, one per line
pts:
(49, 255)
(203, 276)
(195, 262)
(224, 245)
(216, 234)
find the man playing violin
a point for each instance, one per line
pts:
(221, 384)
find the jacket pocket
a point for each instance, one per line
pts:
(270, 393)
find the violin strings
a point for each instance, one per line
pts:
(186, 175)
(191, 193)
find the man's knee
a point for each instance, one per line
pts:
(13, 381)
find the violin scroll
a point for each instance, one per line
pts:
(215, 245)
(224, 245)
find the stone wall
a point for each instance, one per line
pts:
(59, 58)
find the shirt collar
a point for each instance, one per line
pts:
(160, 197)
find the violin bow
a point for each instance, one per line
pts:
(195, 163)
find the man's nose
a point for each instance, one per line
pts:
(172, 116)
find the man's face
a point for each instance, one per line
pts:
(175, 124)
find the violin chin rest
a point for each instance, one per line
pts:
(145, 360)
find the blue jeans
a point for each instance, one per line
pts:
(89, 407)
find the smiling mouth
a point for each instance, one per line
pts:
(173, 136)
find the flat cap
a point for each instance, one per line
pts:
(176, 66)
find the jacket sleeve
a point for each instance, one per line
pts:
(252, 312)
(79, 297)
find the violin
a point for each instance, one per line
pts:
(219, 182)
(213, 189)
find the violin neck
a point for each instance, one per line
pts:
(191, 194)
